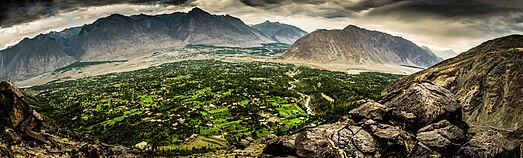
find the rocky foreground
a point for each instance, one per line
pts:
(424, 120)
(26, 133)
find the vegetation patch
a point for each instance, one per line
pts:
(184, 107)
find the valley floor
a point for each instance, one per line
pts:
(227, 54)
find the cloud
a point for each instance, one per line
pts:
(456, 24)
(441, 24)
(15, 12)
(85, 15)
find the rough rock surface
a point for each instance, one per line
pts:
(26, 133)
(486, 80)
(491, 144)
(423, 120)
(354, 45)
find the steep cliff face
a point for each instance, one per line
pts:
(486, 81)
(354, 45)
(26, 133)
(279, 32)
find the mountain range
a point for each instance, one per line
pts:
(282, 33)
(119, 37)
(445, 54)
(355, 45)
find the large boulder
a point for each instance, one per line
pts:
(442, 136)
(428, 102)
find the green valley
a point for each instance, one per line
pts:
(200, 105)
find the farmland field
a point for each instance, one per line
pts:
(204, 104)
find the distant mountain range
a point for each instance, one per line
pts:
(445, 54)
(282, 33)
(354, 45)
(119, 37)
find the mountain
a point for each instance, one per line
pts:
(200, 27)
(26, 133)
(282, 33)
(119, 37)
(354, 45)
(31, 57)
(486, 80)
(445, 54)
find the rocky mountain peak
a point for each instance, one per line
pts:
(198, 11)
(358, 46)
(352, 27)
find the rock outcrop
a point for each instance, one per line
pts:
(486, 80)
(423, 120)
(26, 133)
(354, 45)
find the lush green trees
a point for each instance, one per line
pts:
(167, 104)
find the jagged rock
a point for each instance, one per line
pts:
(420, 150)
(491, 144)
(442, 136)
(385, 131)
(428, 102)
(370, 110)
(26, 133)
(315, 142)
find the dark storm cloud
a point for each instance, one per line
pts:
(411, 8)
(449, 8)
(13, 12)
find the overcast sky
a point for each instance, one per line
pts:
(439, 24)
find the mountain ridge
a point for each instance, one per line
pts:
(280, 32)
(119, 37)
(355, 45)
